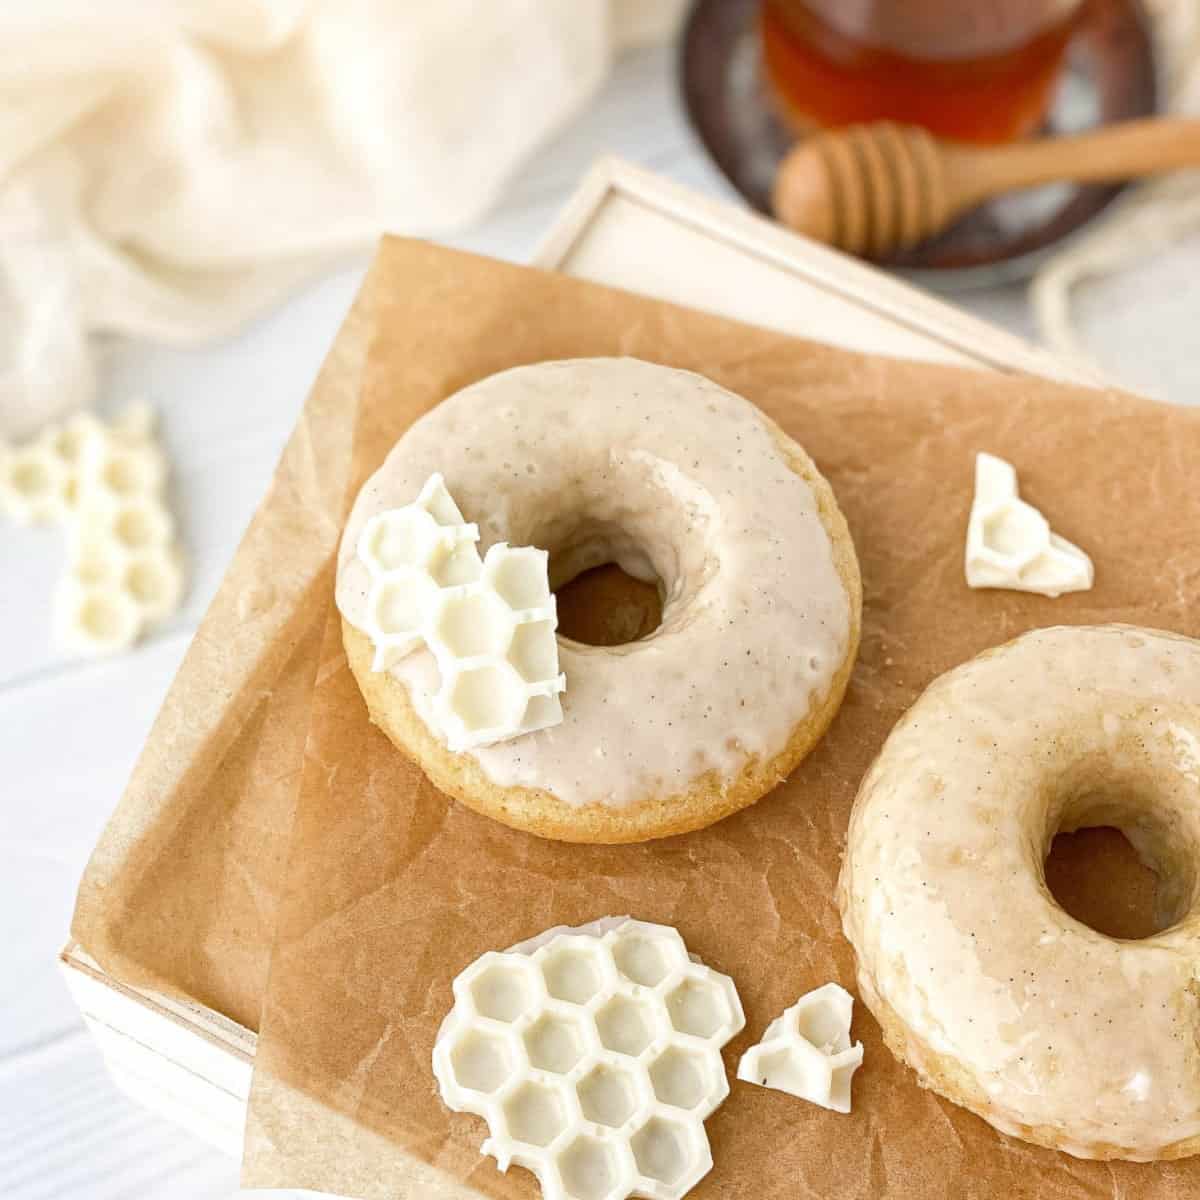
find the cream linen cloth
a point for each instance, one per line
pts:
(169, 168)
(1153, 217)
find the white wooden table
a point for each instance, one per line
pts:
(69, 732)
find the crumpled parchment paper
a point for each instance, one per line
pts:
(391, 889)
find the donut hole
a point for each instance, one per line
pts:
(604, 606)
(1097, 877)
(1122, 865)
(630, 542)
(609, 592)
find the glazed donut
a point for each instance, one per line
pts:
(682, 483)
(998, 999)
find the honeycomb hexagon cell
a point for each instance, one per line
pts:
(480, 704)
(436, 500)
(490, 624)
(69, 441)
(574, 972)
(35, 487)
(403, 537)
(96, 619)
(536, 1113)
(104, 483)
(686, 1078)
(1015, 534)
(454, 563)
(648, 960)
(1010, 543)
(541, 712)
(154, 578)
(533, 651)
(705, 1005)
(602, 1096)
(626, 1025)
(594, 1169)
(138, 523)
(123, 472)
(669, 1154)
(503, 989)
(482, 1061)
(555, 1042)
(400, 601)
(520, 577)
(608, 1094)
(471, 623)
(98, 562)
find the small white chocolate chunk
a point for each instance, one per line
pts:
(1011, 545)
(807, 1050)
(490, 624)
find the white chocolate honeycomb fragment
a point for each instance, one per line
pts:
(39, 481)
(593, 1054)
(490, 624)
(1011, 545)
(807, 1050)
(123, 556)
(105, 484)
(412, 553)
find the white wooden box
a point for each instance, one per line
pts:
(628, 228)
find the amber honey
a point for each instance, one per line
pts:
(821, 74)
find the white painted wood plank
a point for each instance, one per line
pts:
(74, 1137)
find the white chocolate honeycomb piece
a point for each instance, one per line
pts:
(489, 623)
(807, 1050)
(593, 1054)
(105, 484)
(39, 481)
(1011, 545)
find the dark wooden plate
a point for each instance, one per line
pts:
(1109, 76)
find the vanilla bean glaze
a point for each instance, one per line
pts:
(678, 481)
(996, 996)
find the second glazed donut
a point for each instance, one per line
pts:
(998, 998)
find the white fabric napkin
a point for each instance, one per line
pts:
(170, 168)
(1146, 223)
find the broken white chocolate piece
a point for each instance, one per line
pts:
(490, 624)
(807, 1050)
(594, 1056)
(105, 483)
(1010, 544)
(411, 553)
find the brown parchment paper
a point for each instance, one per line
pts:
(391, 889)
(180, 892)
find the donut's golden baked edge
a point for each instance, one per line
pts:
(939, 1075)
(540, 812)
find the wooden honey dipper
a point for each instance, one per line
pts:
(872, 189)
